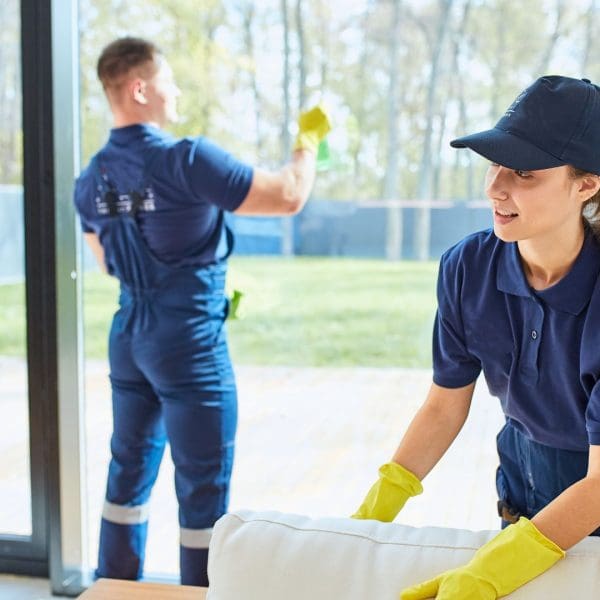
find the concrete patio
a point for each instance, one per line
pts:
(310, 441)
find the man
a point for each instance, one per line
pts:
(152, 210)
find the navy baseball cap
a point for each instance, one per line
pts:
(554, 122)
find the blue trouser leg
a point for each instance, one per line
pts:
(531, 475)
(187, 362)
(122, 550)
(193, 566)
(201, 433)
(137, 447)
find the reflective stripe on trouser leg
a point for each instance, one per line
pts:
(193, 556)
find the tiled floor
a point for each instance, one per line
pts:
(24, 588)
(309, 441)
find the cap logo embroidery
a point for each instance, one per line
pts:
(513, 106)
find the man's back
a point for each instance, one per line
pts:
(181, 188)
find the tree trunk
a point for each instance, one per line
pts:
(287, 240)
(554, 36)
(390, 182)
(359, 110)
(589, 36)
(10, 97)
(424, 185)
(323, 12)
(436, 167)
(498, 67)
(463, 127)
(302, 56)
(248, 12)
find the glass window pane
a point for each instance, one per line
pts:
(332, 352)
(15, 484)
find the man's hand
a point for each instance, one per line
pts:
(516, 555)
(313, 126)
(389, 493)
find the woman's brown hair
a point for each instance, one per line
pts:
(591, 207)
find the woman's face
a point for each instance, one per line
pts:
(533, 204)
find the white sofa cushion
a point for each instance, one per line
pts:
(275, 556)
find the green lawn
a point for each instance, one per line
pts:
(299, 311)
(12, 320)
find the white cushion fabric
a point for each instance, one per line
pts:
(275, 556)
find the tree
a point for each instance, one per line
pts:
(459, 45)
(302, 56)
(11, 161)
(247, 10)
(390, 180)
(589, 31)
(559, 7)
(287, 241)
(422, 224)
(402, 78)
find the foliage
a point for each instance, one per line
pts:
(402, 77)
(11, 152)
(221, 48)
(12, 320)
(228, 58)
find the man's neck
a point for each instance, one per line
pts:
(126, 122)
(123, 117)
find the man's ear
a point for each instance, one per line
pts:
(137, 90)
(589, 185)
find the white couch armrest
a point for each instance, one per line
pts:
(275, 556)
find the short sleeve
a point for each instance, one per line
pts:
(209, 173)
(453, 365)
(589, 365)
(83, 199)
(592, 416)
(591, 380)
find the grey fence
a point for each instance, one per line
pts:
(323, 228)
(358, 229)
(12, 234)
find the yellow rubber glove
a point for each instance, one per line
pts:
(516, 555)
(389, 493)
(313, 126)
(234, 304)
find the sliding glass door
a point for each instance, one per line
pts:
(40, 506)
(15, 480)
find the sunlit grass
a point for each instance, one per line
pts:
(314, 311)
(296, 311)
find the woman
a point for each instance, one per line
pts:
(521, 303)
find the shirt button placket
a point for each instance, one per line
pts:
(531, 341)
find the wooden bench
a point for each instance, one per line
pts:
(117, 589)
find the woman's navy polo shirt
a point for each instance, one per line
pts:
(186, 184)
(539, 350)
